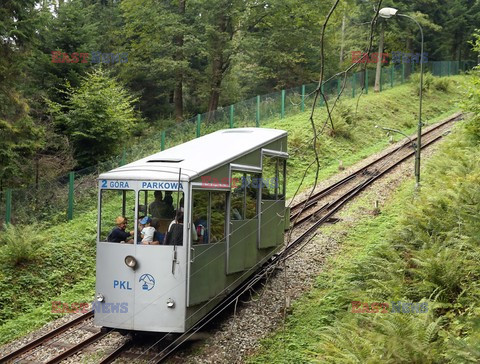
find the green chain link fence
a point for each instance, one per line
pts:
(54, 201)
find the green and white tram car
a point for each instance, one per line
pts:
(230, 188)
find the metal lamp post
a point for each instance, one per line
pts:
(388, 13)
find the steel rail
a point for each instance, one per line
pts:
(48, 336)
(117, 352)
(75, 349)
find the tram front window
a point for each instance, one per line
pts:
(117, 216)
(161, 207)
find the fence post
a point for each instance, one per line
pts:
(392, 75)
(354, 84)
(231, 116)
(71, 177)
(321, 98)
(124, 157)
(381, 79)
(403, 72)
(199, 121)
(282, 114)
(257, 119)
(365, 81)
(8, 207)
(449, 65)
(302, 105)
(162, 141)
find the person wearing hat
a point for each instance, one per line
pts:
(148, 231)
(118, 234)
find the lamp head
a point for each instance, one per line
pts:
(387, 12)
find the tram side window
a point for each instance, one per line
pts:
(209, 211)
(201, 204)
(117, 212)
(237, 196)
(245, 191)
(218, 213)
(252, 183)
(269, 178)
(281, 178)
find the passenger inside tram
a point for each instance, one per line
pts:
(119, 233)
(169, 211)
(156, 207)
(174, 234)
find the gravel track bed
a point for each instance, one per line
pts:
(17, 344)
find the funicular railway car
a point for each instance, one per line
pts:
(229, 187)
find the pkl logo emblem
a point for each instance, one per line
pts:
(122, 285)
(147, 281)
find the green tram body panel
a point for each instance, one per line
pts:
(216, 269)
(242, 246)
(272, 224)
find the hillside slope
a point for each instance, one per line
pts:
(62, 267)
(419, 257)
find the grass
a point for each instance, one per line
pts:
(62, 268)
(422, 248)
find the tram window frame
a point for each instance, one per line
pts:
(254, 183)
(279, 189)
(127, 212)
(281, 182)
(234, 189)
(248, 181)
(210, 208)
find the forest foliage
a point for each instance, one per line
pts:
(173, 59)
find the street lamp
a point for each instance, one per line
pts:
(388, 13)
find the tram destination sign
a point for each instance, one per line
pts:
(143, 185)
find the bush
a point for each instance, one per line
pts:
(346, 113)
(428, 81)
(442, 84)
(20, 244)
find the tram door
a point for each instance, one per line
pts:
(160, 274)
(115, 281)
(207, 252)
(272, 208)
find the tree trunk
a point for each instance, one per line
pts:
(214, 94)
(342, 45)
(220, 63)
(378, 73)
(178, 92)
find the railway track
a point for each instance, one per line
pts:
(51, 336)
(322, 201)
(315, 211)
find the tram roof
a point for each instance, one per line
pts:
(196, 156)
